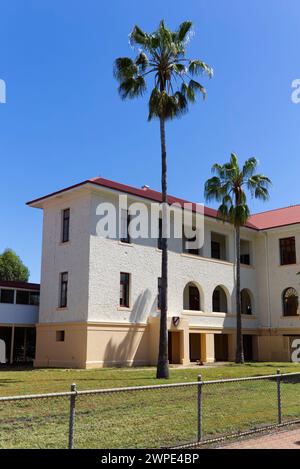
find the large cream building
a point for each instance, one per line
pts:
(99, 299)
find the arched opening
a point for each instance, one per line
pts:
(191, 297)
(219, 300)
(290, 302)
(246, 303)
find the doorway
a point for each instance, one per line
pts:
(195, 347)
(248, 347)
(221, 347)
(174, 347)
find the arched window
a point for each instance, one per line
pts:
(246, 304)
(219, 300)
(191, 297)
(290, 302)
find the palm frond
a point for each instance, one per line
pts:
(249, 167)
(183, 30)
(196, 86)
(142, 61)
(138, 36)
(124, 68)
(228, 187)
(132, 87)
(198, 67)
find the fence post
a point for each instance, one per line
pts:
(279, 396)
(72, 416)
(199, 408)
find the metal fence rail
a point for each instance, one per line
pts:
(167, 415)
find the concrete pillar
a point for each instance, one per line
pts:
(11, 358)
(185, 346)
(231, 347)
(207, 348)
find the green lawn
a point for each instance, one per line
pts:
(150, 418)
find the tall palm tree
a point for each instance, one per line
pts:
(162, 55)
(229, 186)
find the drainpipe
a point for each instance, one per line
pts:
(268, 282)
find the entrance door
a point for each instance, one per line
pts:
(174, 347)
(248, 348)
(221, 347)
(195, 347)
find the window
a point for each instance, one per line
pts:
(246, 306)
(191, 297)
(22, 297)
(245, 252)
(63, 290)
(125, 221)
(187, 236)
(159, 239)
(7, 296)
(159, 293)
(34, 298)
(60, 336)
(245, 259)
(290, 302)
(218, 246)
(287, 251)
(124, 290)
(219, 300)
(215, 250)
(65, 225)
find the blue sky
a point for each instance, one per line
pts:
(64, 122)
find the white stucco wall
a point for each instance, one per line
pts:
(71, 257)
(278, 278)
(143, 261)
(94, 265)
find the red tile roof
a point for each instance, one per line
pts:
(276, 218)
(18, 284)
(260, 221)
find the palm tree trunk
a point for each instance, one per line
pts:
(239, 335)
(162, 363)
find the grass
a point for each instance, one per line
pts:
(152, 418)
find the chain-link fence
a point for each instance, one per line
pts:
(169, 415)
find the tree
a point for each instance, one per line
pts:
(229, 187)
(162, 56)
(12, 268)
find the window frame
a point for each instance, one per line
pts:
(185, 250)
(63, 292)
(60, 335)
(285, 310)
(65, 225)
(124, 295)
(126, 239)
(13, 296)
(287, 258)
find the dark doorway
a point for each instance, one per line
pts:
(174, 347)
(24, 344)
(248, 347)
(221, 347)
(195, 347)
(5, 335)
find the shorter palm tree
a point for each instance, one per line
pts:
(228, 187)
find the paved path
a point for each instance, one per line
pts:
(278, 440)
